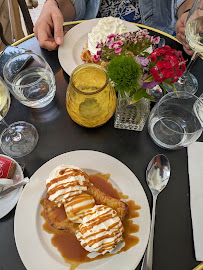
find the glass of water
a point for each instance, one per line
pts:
(30, 79)
(19, 138)
(176, 120)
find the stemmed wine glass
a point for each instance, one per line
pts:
(194, 37)
(19, 138)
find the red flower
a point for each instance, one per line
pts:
(166, 63)
(153, 58)
(183, 67)
(175, 80)
(160, 65)
(179, 73)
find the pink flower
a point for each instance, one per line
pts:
(111, 46)
(111, 36)
(119, 43)
(108, 42)
(115, 44)
(117, 50)
(96, 57)
(149, 85)
(99, 45)
(142, 61)
(156, 40)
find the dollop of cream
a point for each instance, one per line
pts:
(65, 182)
(77, 207)
(101, 230)
(105, 27)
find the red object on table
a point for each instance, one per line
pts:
(7, 168)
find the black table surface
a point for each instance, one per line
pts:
(173, 240)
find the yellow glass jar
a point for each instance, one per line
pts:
(90, 98)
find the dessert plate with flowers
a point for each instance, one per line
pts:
(74, 40)
(34, 244)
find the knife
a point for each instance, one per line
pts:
(19, 184)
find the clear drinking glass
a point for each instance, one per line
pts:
(194, 37)
(20, 138)
(176, 120)
(30, 79)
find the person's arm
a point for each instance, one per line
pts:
(180, 24)
(67, 9)
(49, 27)
(186, 5)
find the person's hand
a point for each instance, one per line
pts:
(180, 33)
(50, 19)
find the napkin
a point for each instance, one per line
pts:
(195, 166)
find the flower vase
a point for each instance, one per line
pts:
(131, 116)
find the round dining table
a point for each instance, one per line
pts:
(58, 134)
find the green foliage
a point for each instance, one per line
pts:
(138, 48)
(125, 74)
(140, 94)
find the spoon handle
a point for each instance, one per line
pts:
(148, 257)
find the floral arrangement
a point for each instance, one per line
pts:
(134, 64)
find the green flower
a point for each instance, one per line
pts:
(125, 73)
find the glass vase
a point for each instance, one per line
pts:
(90, 98)
(131, 116)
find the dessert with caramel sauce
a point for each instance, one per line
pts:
(86, 212)
(101, 229)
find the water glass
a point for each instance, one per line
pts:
(30, 79)
(176, 120)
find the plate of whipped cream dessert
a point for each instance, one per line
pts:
(85, 37)
(82, 210)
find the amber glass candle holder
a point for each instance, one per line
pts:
(90, 98)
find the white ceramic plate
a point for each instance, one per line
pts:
(34, 244)
(8, 202)
(74, 40)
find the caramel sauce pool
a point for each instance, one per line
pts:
(68, 245)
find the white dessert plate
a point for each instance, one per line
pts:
(34, 244)
(74, 40)
(8, 202)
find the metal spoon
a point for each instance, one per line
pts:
(19, 184)
(157, 176)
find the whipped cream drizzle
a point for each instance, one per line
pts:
(65, 182)
(105, 27)
(77, 207)
(101, 229)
